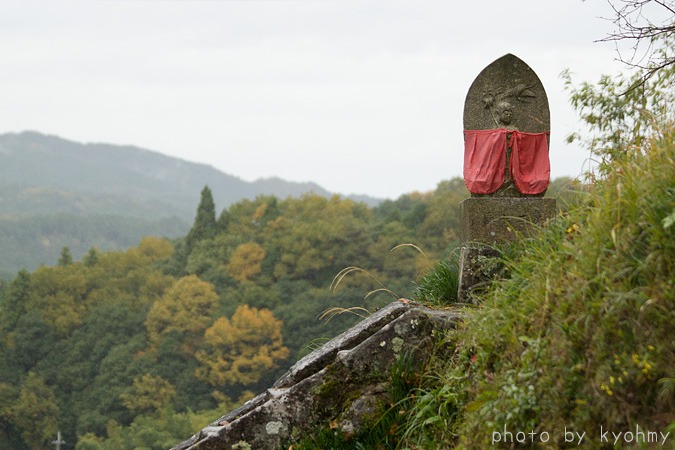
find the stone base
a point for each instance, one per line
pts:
(495, 220)
(489, 221)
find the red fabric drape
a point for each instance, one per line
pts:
(485, 161)
(530, 166)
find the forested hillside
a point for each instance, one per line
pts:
(123, 346)
(126, 346)
(139, 348)
(56, 193)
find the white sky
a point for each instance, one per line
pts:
(359, 96)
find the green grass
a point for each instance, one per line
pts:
(579, 333)
(438, 287)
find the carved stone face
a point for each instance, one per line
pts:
(504, 113)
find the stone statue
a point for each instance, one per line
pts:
(506, 132)
(506, 167)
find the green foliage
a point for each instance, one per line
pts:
(148, 394)
(129, 343)
(36, 400)
(80, 329)
(579, 334)
(91, 258)
(152, 432)
(622, 114)
(66, 258)
(315, 235)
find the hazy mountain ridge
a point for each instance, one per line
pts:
(55, 192)
(30, 159)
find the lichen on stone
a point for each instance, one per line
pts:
(397, 344)
(274, 427)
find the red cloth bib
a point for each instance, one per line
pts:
(485, 160)
(530, 166)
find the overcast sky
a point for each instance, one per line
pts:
(359, 96)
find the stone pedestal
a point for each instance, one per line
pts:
(486, 222)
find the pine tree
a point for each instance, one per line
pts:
(91, 258)
(66, 258)
(205, 221)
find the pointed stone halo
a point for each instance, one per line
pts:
(507, 83)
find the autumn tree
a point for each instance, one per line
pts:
(154, 248)
(245, 262)
(148, 394)
(239, 350)
(185, 309)
(35, 412)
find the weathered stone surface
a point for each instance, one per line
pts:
(495, 220)
(360, 413)
(507, 79)
(343, 382)
(318, 359)
(477, 265)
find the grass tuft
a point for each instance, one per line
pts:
(438, 286)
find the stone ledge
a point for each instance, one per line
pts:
(348, 339)
(330, 383)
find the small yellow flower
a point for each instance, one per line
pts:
(606, 389)
(572, 228)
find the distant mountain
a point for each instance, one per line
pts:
(144, 192)
(40, 173)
